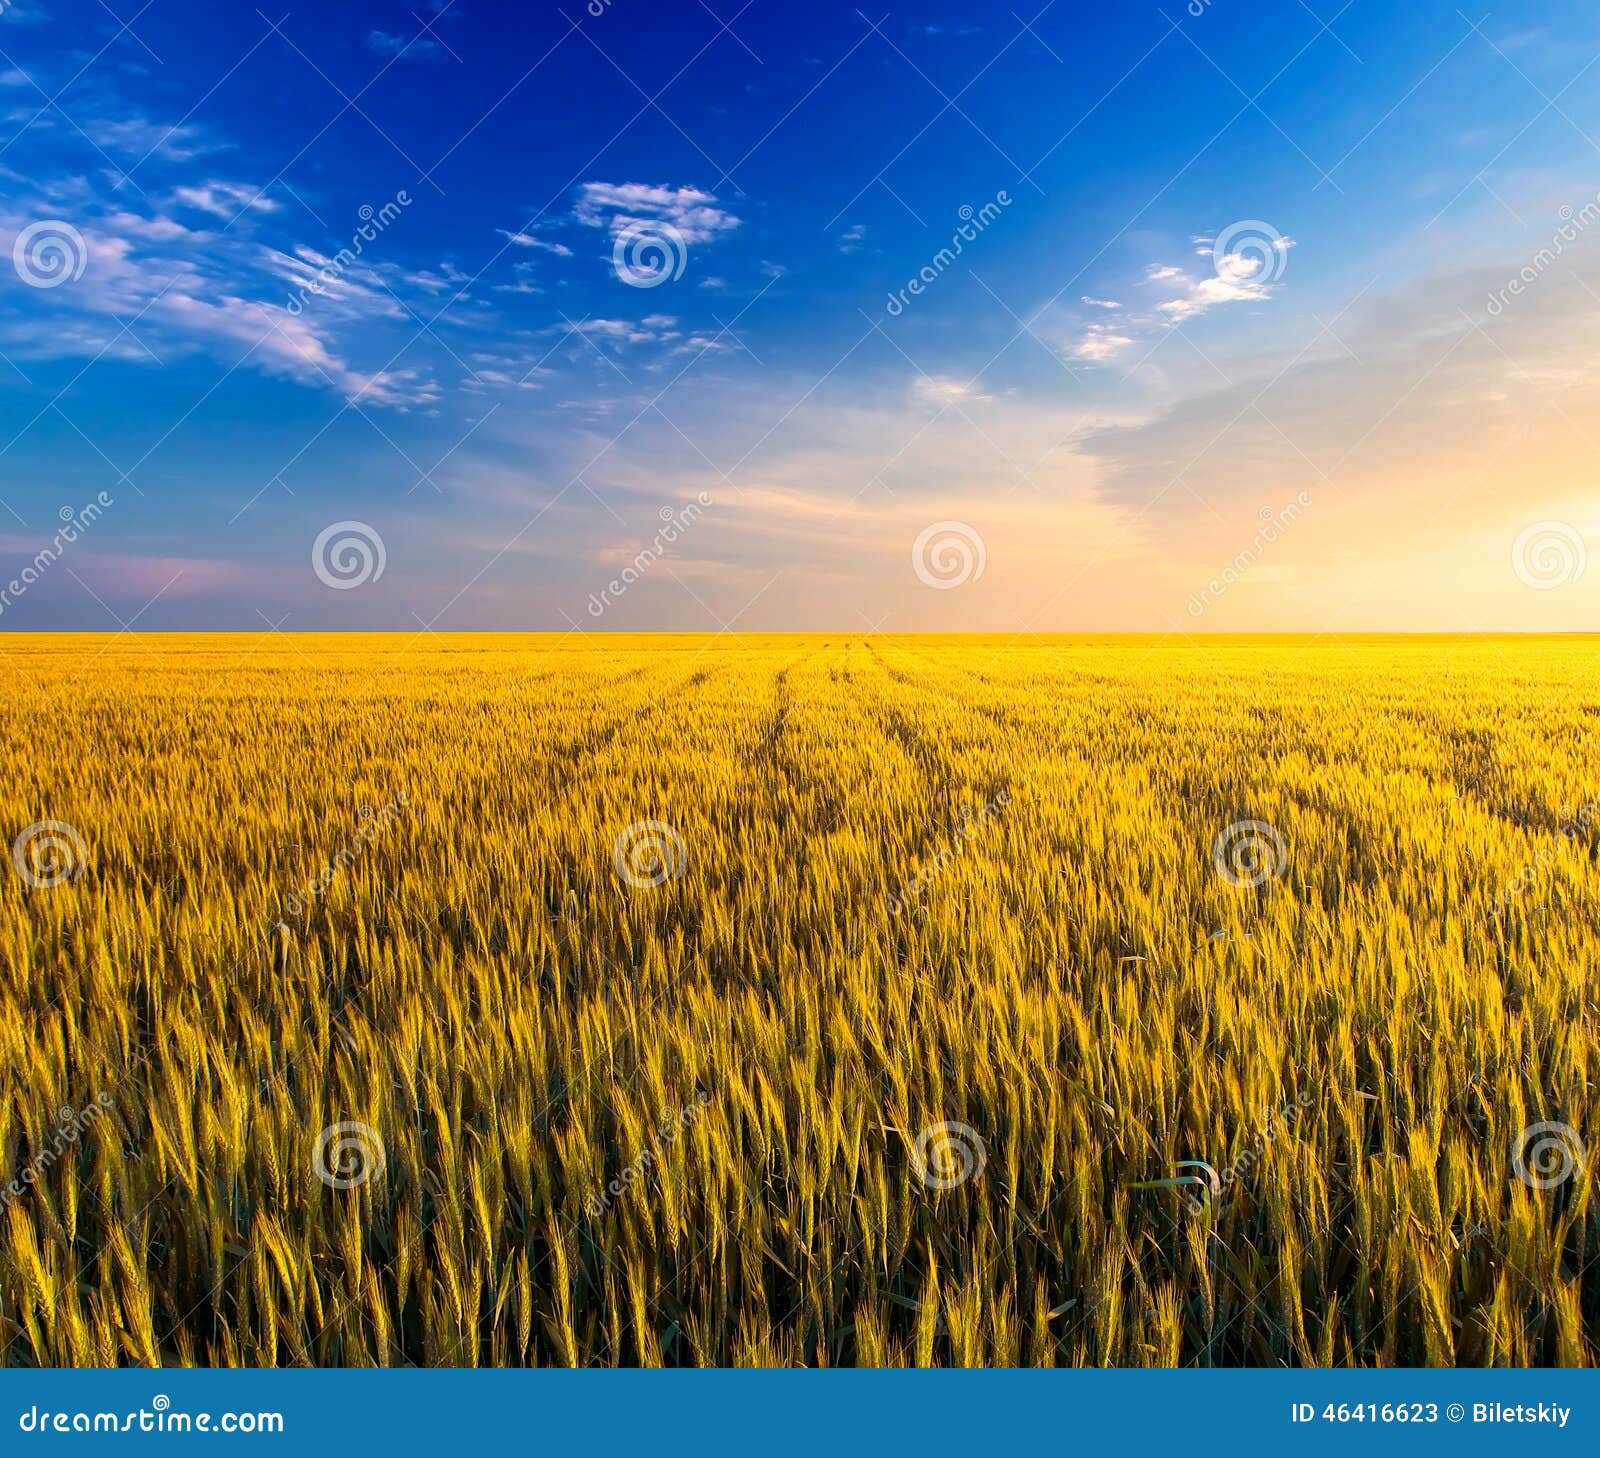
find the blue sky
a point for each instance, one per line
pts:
(1097, 407)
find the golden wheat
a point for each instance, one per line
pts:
(599, 1001)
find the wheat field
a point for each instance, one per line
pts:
(836, 1000)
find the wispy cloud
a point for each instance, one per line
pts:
(1102, 343)
(225, 200)
(140, 137)
(528, 240)
(1423, 419)
(151, 287)
(618, 206)
(1241, 274)
(399, 47)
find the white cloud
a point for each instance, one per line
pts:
(138, 136)
(1432, 428)
(1237, 278)
(446, 278)
(1101, 343)
(226, 200)
(616, 206)
(942, 390)
(527, 240)
(524, 283)
(213, 292)
(1202, 294)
